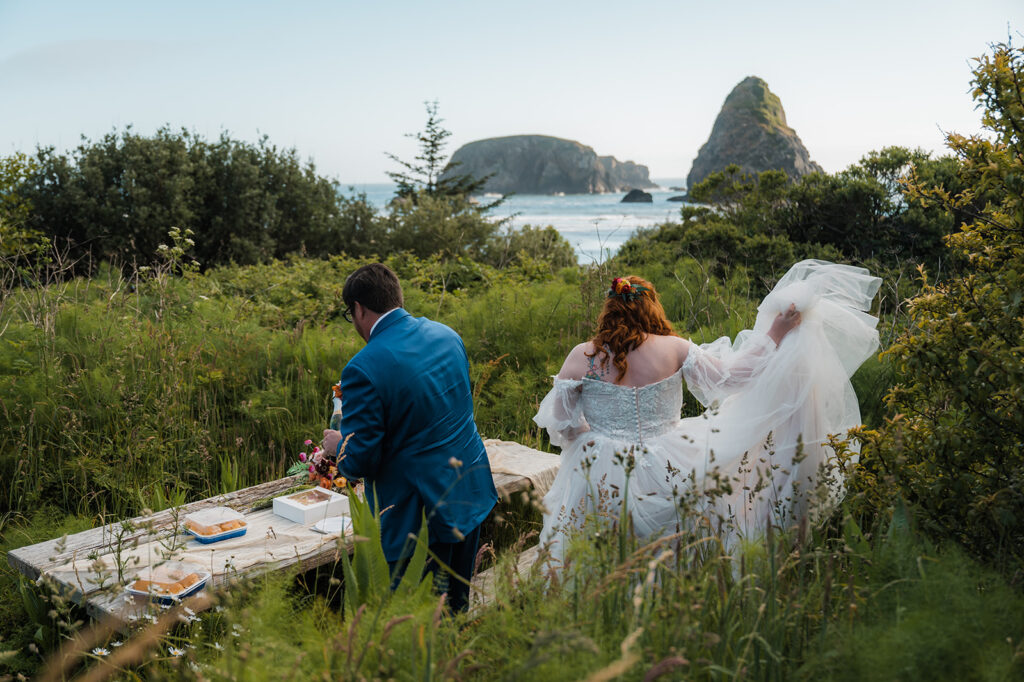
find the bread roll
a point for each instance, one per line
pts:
(155, 587)
(201, 529)
(188, 581)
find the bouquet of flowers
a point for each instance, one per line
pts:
(322, 468)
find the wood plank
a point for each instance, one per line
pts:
(53, 557)
(483, 583)
(32, 560)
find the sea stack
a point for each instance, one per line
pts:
(637, 196)
(539, 164)
(751, 132)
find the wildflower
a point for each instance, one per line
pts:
(307, 442)
(302, 456)
(175, 651)
(217, 646)
(312, 469)
(116, 643)
(100, 651)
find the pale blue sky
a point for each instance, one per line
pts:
(343, 81)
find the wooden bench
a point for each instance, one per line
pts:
(483, 585)
(61, 559)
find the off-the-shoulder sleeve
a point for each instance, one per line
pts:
(561, 412)
(718, 369)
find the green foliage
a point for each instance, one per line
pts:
(367, 576)
(448, 226)
(531, 247)
(931, 614)
(861, 211)
(429, 174)
(17, 240)
(116, 198)
(957, 452)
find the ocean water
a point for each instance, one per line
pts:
(595, 224)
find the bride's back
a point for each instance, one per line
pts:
(631, 317)
(657, 358)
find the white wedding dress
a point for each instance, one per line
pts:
(764, 435)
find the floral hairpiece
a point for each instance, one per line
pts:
(626, 290)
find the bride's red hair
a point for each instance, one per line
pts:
(624, 324)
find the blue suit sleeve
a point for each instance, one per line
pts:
(363, 418)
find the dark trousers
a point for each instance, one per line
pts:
(460, 557)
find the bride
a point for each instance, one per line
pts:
(758, 454)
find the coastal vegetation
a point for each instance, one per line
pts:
(170, 325)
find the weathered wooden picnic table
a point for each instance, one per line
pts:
(271, 543)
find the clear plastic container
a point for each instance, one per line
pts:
(169, 582)
(215, 524)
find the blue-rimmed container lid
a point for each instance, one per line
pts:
(169, 574)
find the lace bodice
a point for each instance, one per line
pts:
(625, 413)
(631, 414)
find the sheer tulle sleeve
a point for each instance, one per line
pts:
(561, 412)
(718, 369)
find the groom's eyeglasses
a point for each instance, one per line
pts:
(346, 314)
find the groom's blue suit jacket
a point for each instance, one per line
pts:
(408, 405)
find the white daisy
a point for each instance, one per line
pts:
(175, 651)
(117, 643)
(100, 651)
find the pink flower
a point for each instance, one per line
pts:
(312, 469)
(307, 442)
(317, 450)
(302, 456)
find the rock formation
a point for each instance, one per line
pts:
(538, 164)
(751, 132)
(637, 196)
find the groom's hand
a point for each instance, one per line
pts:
(330, 442)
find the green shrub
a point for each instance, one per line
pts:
(957, 450)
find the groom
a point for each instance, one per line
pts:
(408, 410)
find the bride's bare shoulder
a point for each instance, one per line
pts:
(670, 341)
(576, 363)
(673, 345)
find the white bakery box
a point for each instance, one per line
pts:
(309, 506)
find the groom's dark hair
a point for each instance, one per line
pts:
(374, 286)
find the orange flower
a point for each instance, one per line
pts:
(620, 285)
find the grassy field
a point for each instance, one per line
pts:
(123, 394)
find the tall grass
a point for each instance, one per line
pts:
(832, 604)
(123, 393)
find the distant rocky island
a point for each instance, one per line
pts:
(751, 132)
(540, 164)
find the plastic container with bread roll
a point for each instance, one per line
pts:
(169, 582)
(215, 524)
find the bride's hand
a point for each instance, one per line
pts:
(784, 323)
